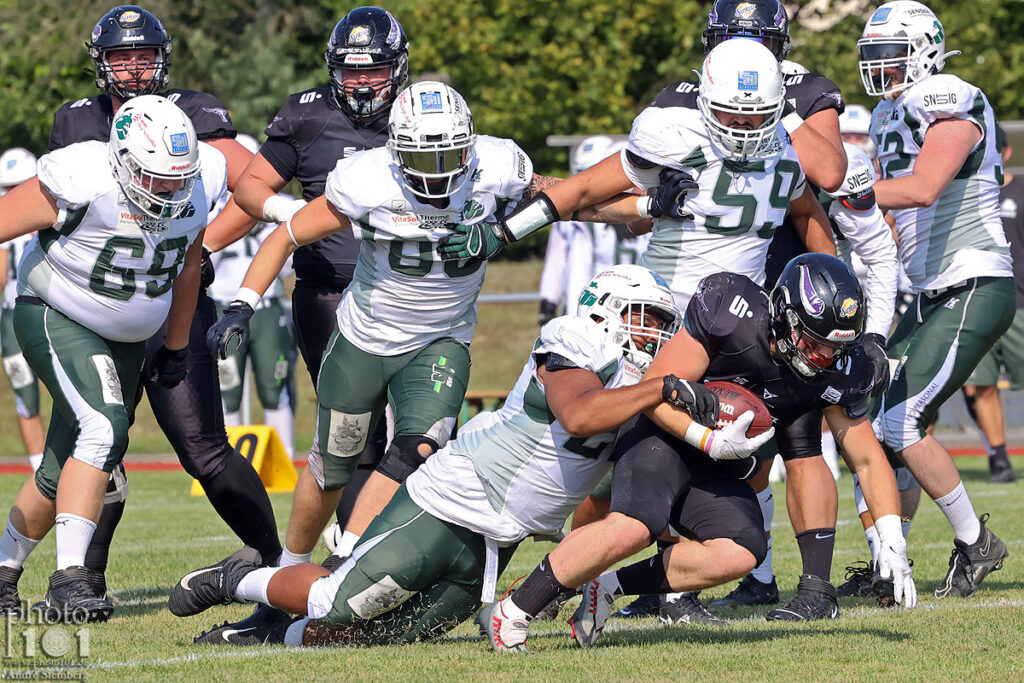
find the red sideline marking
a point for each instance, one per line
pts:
(25, 468)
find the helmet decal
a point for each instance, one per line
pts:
(849, 308)
(808, 297)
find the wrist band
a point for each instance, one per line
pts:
(792, 121)
(699, 436)
(248, 296)
(533, 216)
(643, 207)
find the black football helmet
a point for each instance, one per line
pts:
(817, 295)
(762, 20)
(123, 28)
(367, 38)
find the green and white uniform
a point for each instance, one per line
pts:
(735, 212)
(954, 253)
(406, 319)
(439, 545)
(23, 380)
(92, 289)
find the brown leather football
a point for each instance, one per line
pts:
(734, 400)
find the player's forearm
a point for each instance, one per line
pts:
(822, 159)
(184, 293)
(906, 192)
(673, 420)
(605, 410)
(269, 261)
(865, 457)
(618, 209)
(251, 193)
(230, 225)
(813, 229)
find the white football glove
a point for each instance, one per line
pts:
(892, 560)
(278, 209)
(730, 442)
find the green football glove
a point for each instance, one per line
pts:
(479, 241)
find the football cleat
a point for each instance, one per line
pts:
(815, 599)
(214, 585)
(552, 609)
(506, 630)
(590, 617)
(332, 536)
(265, 626)
(750, 592)
(332, 562)
(10, 601)
(70, 598)
(969, 564)
(1001, 473)
(686, 608)
(643, 606)
(859, 579)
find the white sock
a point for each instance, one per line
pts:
(858, 496)
(289, 559)
(15, 547)
(74, 534)
(830, 454)
(346, 544)
(763, 572)
(253, 586)
(672, 597)
(293, 636)
(35, 459)
(871, 534)
(956, 505)
(282, 420)
(232, 419)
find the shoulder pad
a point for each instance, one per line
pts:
(578, 341)
(77, 174)
(679, 94)
(939, 97)
(666, 136)
(504, 165)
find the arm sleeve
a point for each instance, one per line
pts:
(872, 241)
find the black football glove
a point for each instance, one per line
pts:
(693, 397)
(206, 272)
(548, 310)
(169, 366)
(874, 349)
(667, 199)
(233, 322)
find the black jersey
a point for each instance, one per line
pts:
(729, 316)
(305, 141)
(90, 118)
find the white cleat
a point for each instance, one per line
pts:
(590, 617)
(332, 536)
(505, 625)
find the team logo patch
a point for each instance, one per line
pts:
(832, 395)
(346, 434)
(394, 33)
(122, 125)
(881, 15)
(110, 383)
(849, 308)
(472, 209)
(431, 101)
(128, 18)
(179, 143)
(222, 114)
(383, 596)
(97, 31)
(11, 163)
(810, 299)
(398, 205)
(359, 35)
(745, 10)
(747, 80)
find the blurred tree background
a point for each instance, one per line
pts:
(527, 69)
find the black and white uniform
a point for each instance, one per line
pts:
(806, 94)
(661, 480)
(190, 414)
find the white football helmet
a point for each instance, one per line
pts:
(155, 155)
(741, 77)
(430, 135)
(901, 36)
(615, 296)
(16, 166)
(592, 150)
(856, 123)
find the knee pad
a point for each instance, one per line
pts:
(403, 457)
(754, 540)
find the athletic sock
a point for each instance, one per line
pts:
(99, 548)
(905, 522)
(253, 586)
(763, 572)
(238, 496)
(646, 577)
(282, 420)
(539, 589)
(816, 546)
(35, 460)
(73, 536)
(871, 534)
(15, 547)
(290, 559)
(956, 505)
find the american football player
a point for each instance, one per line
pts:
(117, 254)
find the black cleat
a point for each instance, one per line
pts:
(70, 598)
(332, 562)
(969, 564)
(10, 601)
(265, 626)
(750, 592)
(1002, 474)
(551, 610)
(815, 599)
(643, 606)
(687, 609)
(214, 585)
(859, 579)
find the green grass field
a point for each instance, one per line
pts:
(166, 533)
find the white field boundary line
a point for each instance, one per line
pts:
(254, 652)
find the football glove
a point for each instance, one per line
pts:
(234, 322)
(693, 397)
(207, 274)
(169, 366)
(548, 310)
(478, 241)
(874, 349)
(667, 199)
(892, 560)
(730, 442)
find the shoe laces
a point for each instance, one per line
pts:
(690, 603)
(966, 565)
(862, 573)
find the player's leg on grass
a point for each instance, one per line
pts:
(25, 387)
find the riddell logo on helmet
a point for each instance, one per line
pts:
(361, 58)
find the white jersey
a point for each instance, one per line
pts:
(15, 250)
(402, 295)
(577, 251)
(735, 212)
(960, 236)
(517, 472)
(105, 264)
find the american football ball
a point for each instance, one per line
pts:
(734, 400)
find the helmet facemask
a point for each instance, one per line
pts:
(367, 102)
(126, 81)
(367, 38)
